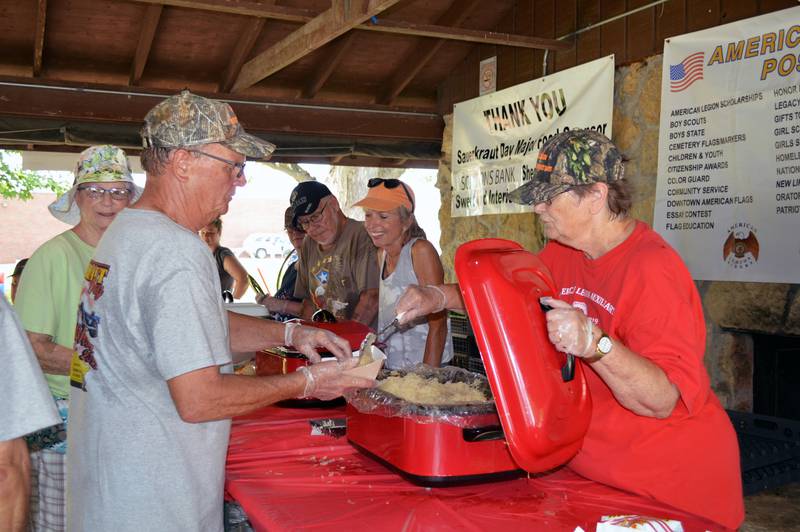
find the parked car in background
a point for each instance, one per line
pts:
(267, 245)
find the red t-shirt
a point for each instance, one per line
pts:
(641, 294)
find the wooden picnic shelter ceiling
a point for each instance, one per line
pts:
(335, 81)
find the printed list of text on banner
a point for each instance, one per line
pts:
(728, 191)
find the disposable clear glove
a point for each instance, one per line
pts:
(327, 380)
(569, 329)
(308, 340)
(419, 301)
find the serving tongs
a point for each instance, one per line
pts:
(366, 345)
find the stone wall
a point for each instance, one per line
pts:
(733, 310)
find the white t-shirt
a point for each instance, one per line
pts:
(27, 404)
(150, 311)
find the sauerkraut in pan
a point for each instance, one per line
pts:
(430, 391)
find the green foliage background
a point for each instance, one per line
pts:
(20, 184)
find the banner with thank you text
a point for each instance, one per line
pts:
(497, 137)
(728, 190)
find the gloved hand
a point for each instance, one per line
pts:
(419, 301)
(308, 339)
(327, 380)
(569, 329)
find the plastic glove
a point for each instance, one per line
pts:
(418, 301)
(568, 328)
(308, 339)
(327, 380)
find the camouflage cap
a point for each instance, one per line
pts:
(187, 119)
(569, 159)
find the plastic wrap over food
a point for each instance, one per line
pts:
(424, 385)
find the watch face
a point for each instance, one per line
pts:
(604, 345)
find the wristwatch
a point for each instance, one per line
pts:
(603, 347)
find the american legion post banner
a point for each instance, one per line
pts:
(728, 190)
(497, 137)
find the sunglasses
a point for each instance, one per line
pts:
(239, 167)
(390, 184)
(96, 193)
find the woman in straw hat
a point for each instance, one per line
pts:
(47, 304)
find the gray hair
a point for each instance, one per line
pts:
(620, 196)
(154, 159)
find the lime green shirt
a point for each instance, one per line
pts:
(49, 291)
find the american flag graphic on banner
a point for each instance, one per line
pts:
(686, 72)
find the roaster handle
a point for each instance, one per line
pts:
(568, 369)
(493, 432)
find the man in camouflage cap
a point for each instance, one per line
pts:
(570, 159)
(151, 376)
(187, 119)
(628, 308)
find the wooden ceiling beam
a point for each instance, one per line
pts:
(105, 105)
(328, 64)
(243, 48)
(340, 18)
(251, 8)
(146, 35)
(38, 37)
(419, 56)
(466, 35)
(292, 14)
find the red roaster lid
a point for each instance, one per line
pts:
(352, 331)
(544, 414)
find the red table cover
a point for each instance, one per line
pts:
(287, 479)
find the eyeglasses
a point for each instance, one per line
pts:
(233, 164)
(312, 219)
(549, 202)
(95, 193)
(390, 184)
(208, 233)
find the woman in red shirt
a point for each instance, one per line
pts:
(629, 308)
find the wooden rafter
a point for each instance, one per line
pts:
(340, 18)
(328, 64)
(243, 48)
(419, 56)
(38, 37)
(252, 8)
(101, 105)
(146, 36)
(466, 35)
(299, 15)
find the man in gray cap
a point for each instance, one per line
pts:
(628, 308)
(151, 374)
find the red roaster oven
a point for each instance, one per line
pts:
(541, 397)
(281, 360)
